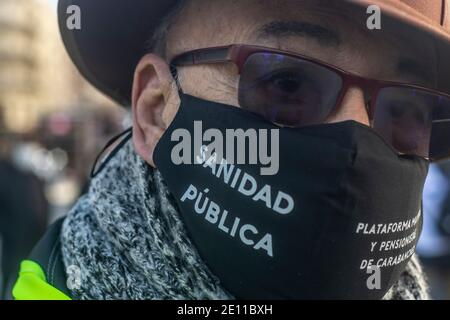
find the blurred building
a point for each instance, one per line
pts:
(36, 75)
(53, 123)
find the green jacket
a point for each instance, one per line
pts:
(42, 276)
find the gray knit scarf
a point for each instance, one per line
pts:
(128, 240)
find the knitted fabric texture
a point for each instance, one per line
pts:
(127, 238)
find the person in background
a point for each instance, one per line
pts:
(23, 212)
(434, 245)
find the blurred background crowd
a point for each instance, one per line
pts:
(53, 124)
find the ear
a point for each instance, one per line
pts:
(153, 98)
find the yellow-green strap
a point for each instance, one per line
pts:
(32, 284)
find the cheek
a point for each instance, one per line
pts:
(217, 83)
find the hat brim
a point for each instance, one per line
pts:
(115, 34)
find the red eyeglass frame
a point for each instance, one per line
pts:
(239, 53)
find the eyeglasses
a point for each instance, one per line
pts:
(293, 90)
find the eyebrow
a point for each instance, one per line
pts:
(414, 68)
(301, 29)
(327, 37)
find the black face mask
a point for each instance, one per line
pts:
(342, 201)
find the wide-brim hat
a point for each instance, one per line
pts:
(115, 34)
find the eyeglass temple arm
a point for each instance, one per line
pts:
(203, 56)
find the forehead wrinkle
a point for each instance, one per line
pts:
(281, 29)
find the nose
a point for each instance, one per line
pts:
(352, 107)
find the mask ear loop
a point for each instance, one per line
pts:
(174, 72)
(127, 134)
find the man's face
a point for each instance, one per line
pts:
(317, 29)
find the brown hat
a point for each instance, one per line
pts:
(115, 34)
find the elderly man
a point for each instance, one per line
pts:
(343, 103)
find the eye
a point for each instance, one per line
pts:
(397, 111)
(400, 110)
(285, 82)
(419, 117)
